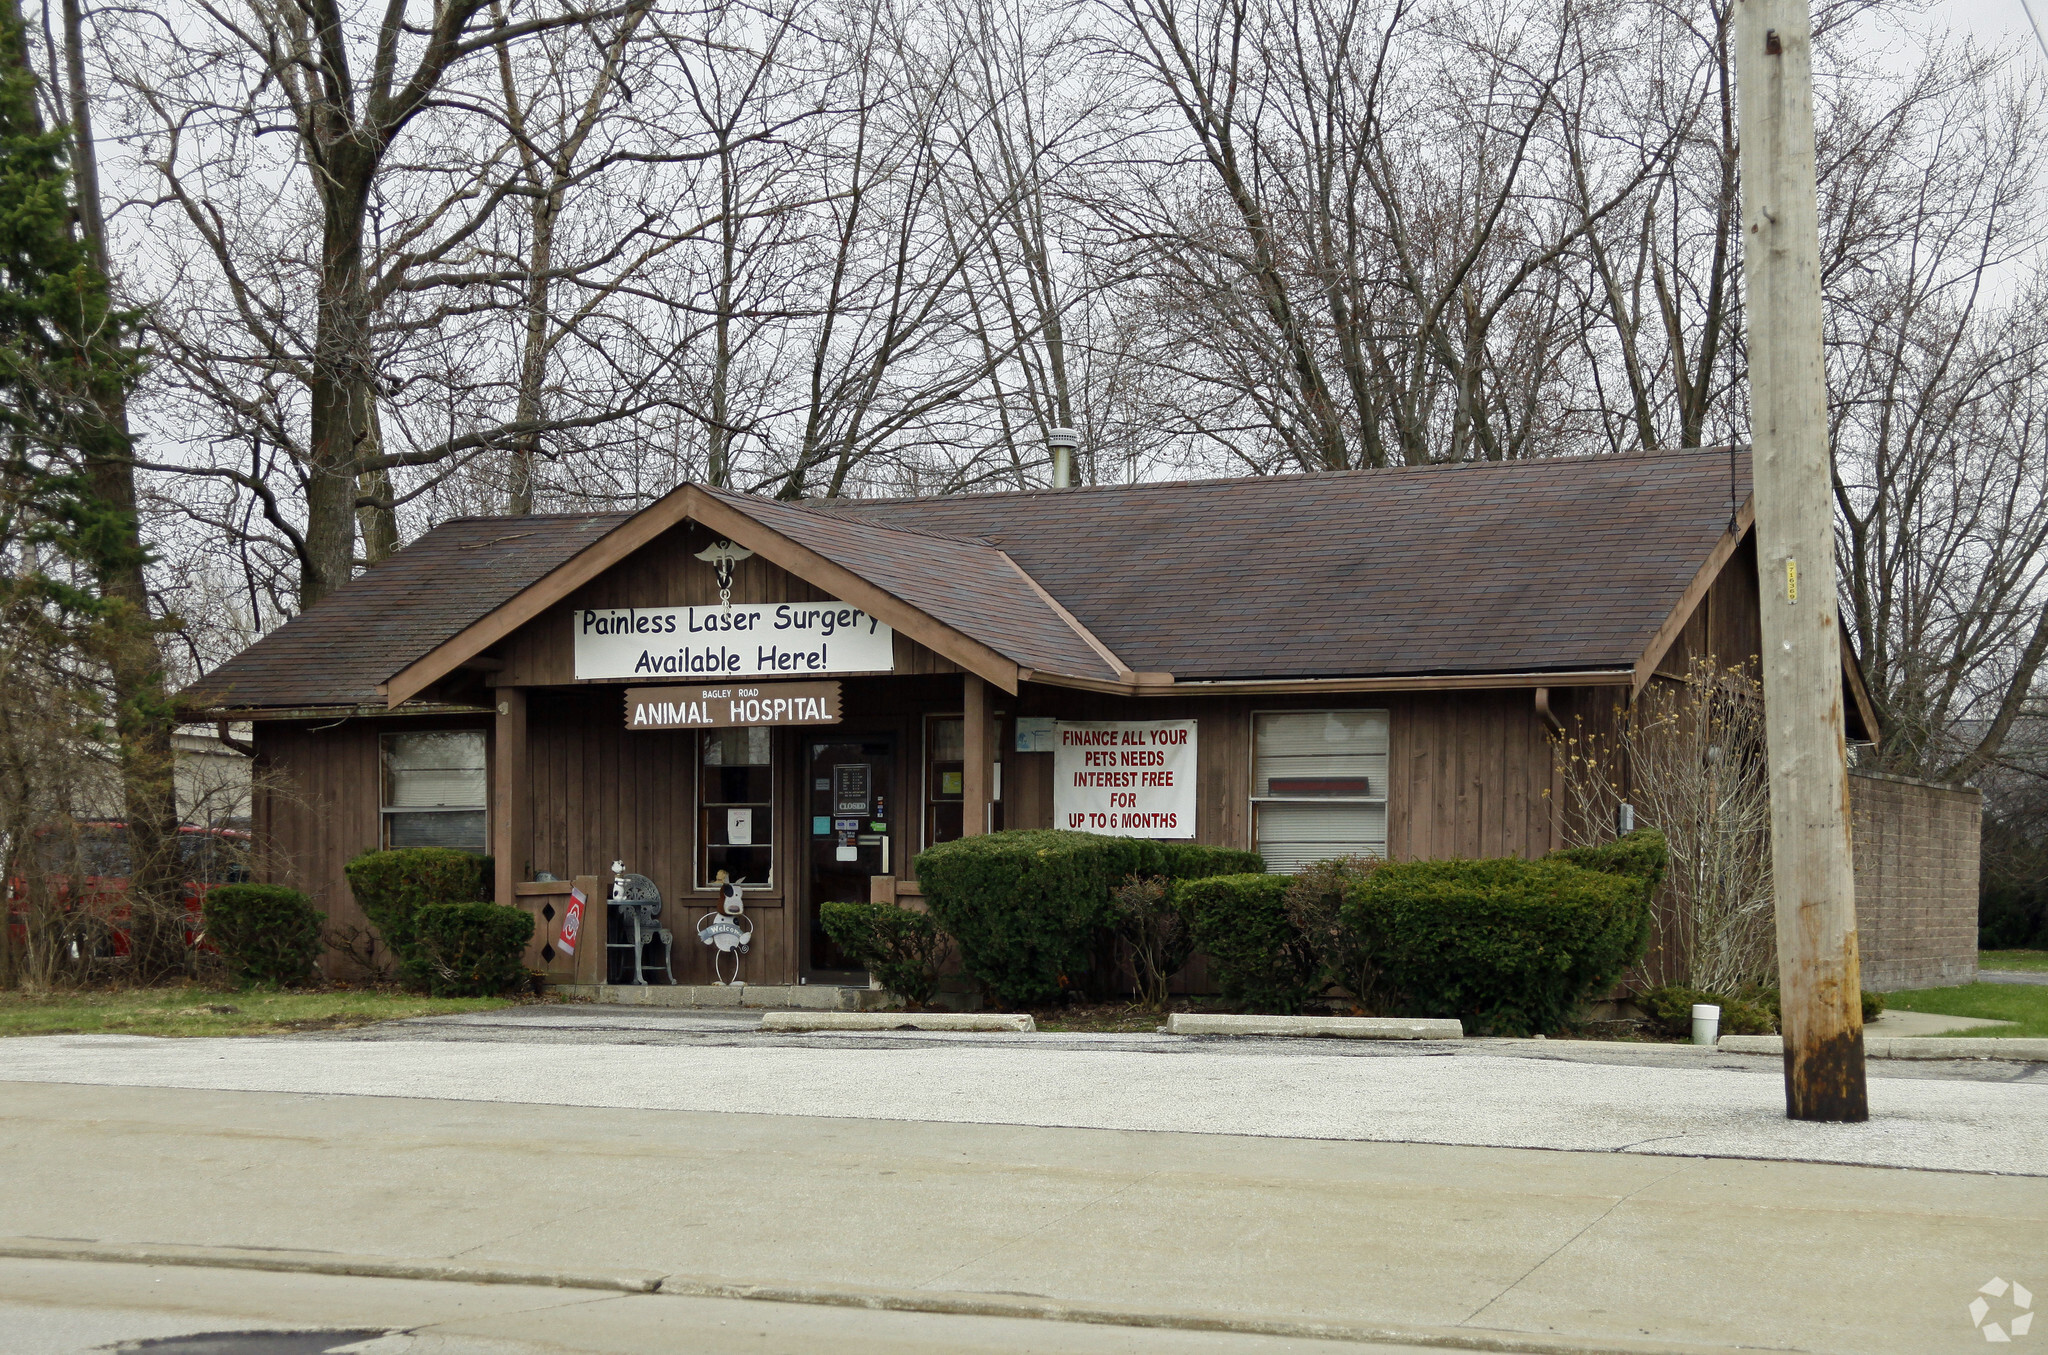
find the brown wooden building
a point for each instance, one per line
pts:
(1307, 666)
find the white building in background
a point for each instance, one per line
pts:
(213, 776)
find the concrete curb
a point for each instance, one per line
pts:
(1104, 1315)
(1338, 1027)
(1504, 1342)
(2017, 1050)
(817, 997)
(976, 1021)
(326, 1263)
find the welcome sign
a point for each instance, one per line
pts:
(780, 639)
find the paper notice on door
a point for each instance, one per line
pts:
(739, 827)
(847, 852)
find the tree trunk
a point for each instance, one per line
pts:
(341, 362)
(143, 718)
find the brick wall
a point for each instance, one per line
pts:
(1916, 881)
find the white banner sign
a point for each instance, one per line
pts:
(1127, 778)
(756, 640)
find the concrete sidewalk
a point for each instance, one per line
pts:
(1733, 1107)
(1485, 1248)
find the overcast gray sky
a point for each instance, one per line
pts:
(1992, 22)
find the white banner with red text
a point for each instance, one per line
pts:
(1126, 778)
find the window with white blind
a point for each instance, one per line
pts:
(434, 790)
(1319, 785)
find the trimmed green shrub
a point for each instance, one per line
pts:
(904, 950)
(392, 886)
(470, 949)
(1508, 946)
(1670, 1006)
(1315, 905)
(1873, 1004)
(266, 933)
(1257, 955)
(1641, 854)
(1196, 860)
(1029, 905)
(1145, 918)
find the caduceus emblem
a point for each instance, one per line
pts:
(724, 557)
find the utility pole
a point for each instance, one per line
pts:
(1819, 980)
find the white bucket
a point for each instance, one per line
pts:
(1706, 1023)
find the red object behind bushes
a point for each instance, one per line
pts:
(208, 857)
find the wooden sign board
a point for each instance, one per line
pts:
(728, 705)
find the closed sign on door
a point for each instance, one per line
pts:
(852, 787)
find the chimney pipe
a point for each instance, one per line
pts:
(1063, 442)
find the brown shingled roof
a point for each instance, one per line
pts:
(1533, 566)
(338, 650)
(967, 584)
(1522, 566)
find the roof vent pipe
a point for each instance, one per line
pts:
(1064, 442)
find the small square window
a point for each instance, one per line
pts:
(435, 790)
(1319, 785)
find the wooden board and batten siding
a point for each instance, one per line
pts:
(1465, 773)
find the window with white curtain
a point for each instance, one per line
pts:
(1319, 785)
(434, 790)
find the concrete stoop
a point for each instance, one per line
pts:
(800, 996)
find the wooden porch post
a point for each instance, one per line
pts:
(978, 756)
(511, 812)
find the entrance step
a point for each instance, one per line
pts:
(801, 996)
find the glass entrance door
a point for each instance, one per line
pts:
(852, 798)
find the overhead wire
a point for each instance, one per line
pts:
(2039, 37)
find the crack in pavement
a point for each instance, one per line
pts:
(1554, 1252)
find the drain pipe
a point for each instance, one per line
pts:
(1064, 442)
(1544, 712)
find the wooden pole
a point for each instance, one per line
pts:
(978, 757)
(510, 810)
(1818, 978)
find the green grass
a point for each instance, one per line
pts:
(2025, 1003)
(2036, 960)
(201, 1010)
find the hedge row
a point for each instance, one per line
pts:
(1508, 946)
(1258, 958)
(431, 905)
(1028, 906)
(1752, 1012)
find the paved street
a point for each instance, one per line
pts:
(970, 1193)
